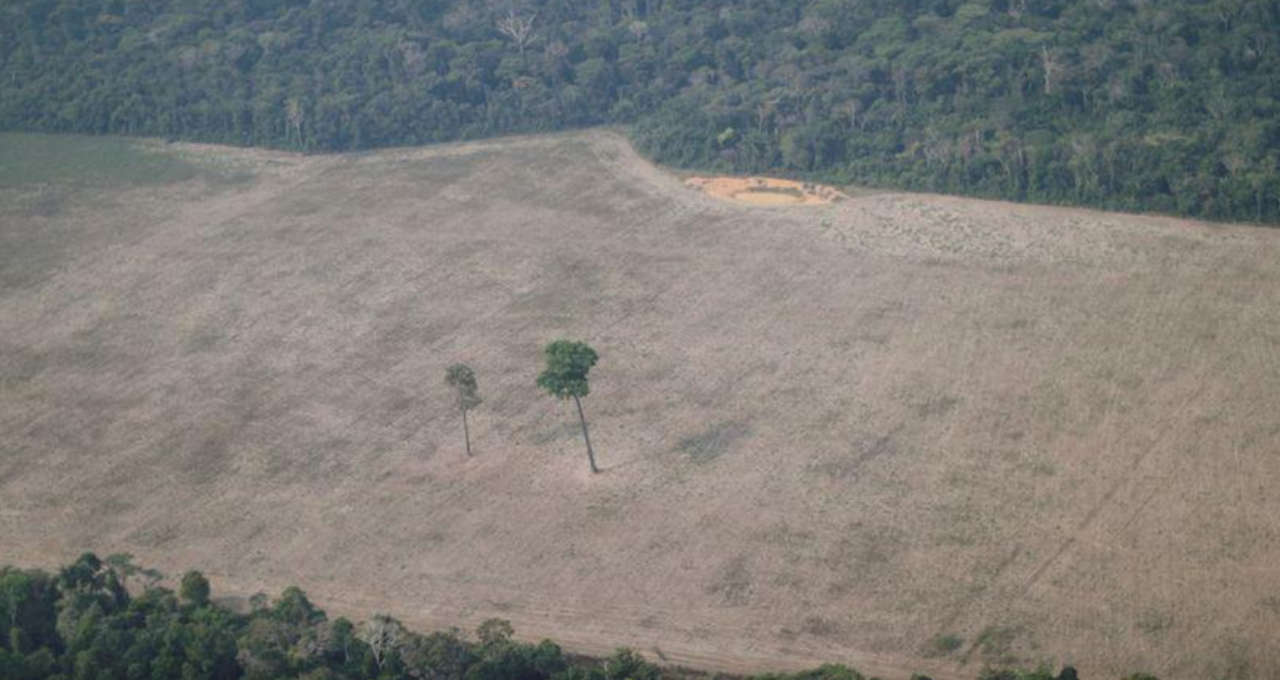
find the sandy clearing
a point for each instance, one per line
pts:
(766, 190)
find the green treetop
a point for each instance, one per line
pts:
(565, 376)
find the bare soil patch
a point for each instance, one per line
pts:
(766, 190)
(906, 432)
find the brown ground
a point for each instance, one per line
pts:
(836, 432)
(766, 190)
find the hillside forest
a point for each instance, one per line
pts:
(1138, 105)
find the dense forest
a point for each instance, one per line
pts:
(1170, 106)
(84, 623)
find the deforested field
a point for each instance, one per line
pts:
(904, 432)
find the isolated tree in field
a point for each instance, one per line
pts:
(463, 381)
(566, 376)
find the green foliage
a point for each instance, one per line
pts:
(442, 656)
(463, 380)
(568, 363)
(101, 633)
(18, 640)
(495, 632)
(941, 645)
(122, 564)
(565, 376)
(824, 672)
(83, 575)
(34, 666)
(1170, 106)
(194, 588)
(1012, 674)
(27, 604)
(625, 664)
(508, 661)
(294, 608)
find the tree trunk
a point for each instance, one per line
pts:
(591, 456)
(466, 431)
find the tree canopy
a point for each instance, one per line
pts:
(565, 376)
(463, 380)
(80, 625)
(1165, 106)
(568, 363)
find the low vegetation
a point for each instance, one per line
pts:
(84, 623)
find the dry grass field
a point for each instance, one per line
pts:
(905, 432)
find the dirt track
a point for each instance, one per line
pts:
(829, 433)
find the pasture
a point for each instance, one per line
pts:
(904, 432)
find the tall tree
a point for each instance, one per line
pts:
(566, 376)
(463, 381)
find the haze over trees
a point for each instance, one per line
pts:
(1164, 106)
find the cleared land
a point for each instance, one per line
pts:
(766, 190)
(906, 432)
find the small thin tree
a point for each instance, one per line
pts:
(383, 635)
(518, 28)
(566, 376)
(463, 381)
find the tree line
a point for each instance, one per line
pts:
(109, 619)
(1128, 104)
